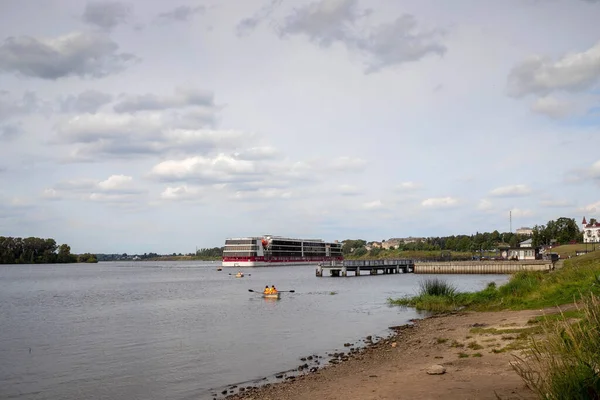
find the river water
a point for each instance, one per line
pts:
(180, 330)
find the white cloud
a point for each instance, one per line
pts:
(220, 169)
(409, 186)
(348, 190)
(511, 191)
(354, 164)
(116, 188)
(573, 72)
(183, 97)
(183, 192)
(440, 202)
(51, 194)
(551, 107)
(555, 203)
(96, 136)
(88, 101)
(592, 208)
(519, 213)
(264, 193)
(373, 205)
(589, 174)
(485, 205)
(116, 183)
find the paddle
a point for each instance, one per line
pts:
(279, 291)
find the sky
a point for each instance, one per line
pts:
(159, 126)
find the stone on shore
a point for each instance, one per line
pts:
(436, 370)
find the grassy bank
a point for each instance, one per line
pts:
(561, 358)
(415, 254)
(525, 290)
(570, 250)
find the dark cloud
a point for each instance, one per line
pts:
(88, 101)
(180, 14)
(75, 54)
(106, 14)
(181, 98)
(399, 42)
(247, 25)
(10, 131)
(340, 21)
(29, 103)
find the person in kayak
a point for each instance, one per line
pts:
(267, 290)
(273, 290)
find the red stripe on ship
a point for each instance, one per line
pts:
(279, 259)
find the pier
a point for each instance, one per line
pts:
(482, 267)
(387, 267)
(375, 267)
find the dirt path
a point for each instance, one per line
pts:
(474, 348)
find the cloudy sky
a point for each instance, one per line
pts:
(152, 125)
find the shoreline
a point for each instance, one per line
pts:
(475, 350)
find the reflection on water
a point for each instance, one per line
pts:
(177, 329)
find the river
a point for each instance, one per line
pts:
(180, 330)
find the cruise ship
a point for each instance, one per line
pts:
(267, 250)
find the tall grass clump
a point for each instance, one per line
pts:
(436, 287)
(435, 295)
(565, 362)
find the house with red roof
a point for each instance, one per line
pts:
(591, 231)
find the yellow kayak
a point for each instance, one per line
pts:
(272, 295)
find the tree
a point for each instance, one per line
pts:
(64, 254)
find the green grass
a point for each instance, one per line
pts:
(441, 340)
(524, 290)
(565, 362)
(567, 250)
(475, 346)
(463, 355)
(557, 316)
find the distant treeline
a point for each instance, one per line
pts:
(33, 250)
(210, 253)
(562, 231)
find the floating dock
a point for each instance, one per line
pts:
(374, 267)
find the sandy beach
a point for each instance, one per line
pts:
(469, 347)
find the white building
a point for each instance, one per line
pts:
(591, 232)
(524, 231)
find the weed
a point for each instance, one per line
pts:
(477, 355)
(474, 346)
(456, 344)
(463, 355)
(441, 340)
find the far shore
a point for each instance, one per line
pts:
(474, 349)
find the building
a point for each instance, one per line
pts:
(591, 231)
(525, 251)
(526, 243)
(524, 231)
